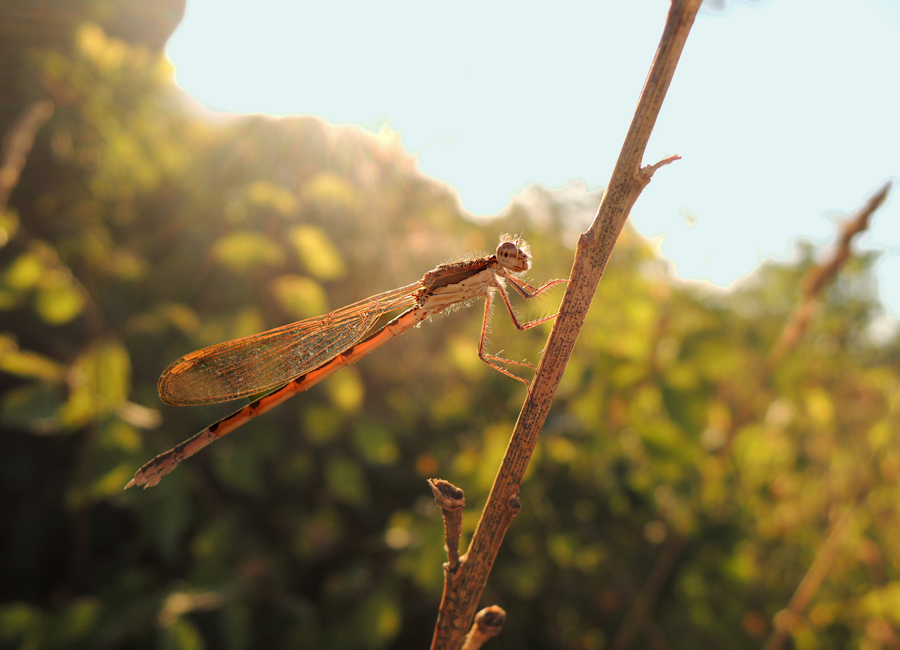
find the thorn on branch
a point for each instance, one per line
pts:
(649, 170)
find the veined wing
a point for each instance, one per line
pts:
(260, 362)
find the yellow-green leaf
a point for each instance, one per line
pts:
(263, 193)
(24, 363)
(819, 406)
(327, 191)
(346, 390)
(245, 249)
(300, 296)
(101, 381)
(59, 300)
(182, 634)
(25, 272)
(380, 616)
(20, 620)
(318, 254)
(9, 225)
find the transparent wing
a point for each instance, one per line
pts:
(253, 364)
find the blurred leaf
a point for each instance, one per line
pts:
(108, 53)
(238, 622)
(346, 390)
(213, 547)
(179, 603)
(562, 550)
(346, 481)
(329, 192)
(23, 363)
(881, 435)
(262, 193)
(375, 443)
(317, 253)
(240, 463)
(9, 225)
(165, 515)
(33, 407)
(682, 376)
(182, 634)
(59, 300)
(884, 602)
(451, 405)
(25, 272)
(819, 406)
(380, 618)
(157, 320)
(230, 326)
(101, 381)
(110, 483)
(76, 623)
(21, 622)
(300, 296)
(561, 450)
(243, 250)
(320, 424)
(463, 351)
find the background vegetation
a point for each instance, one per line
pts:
(681, 494)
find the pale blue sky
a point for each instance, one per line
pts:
(786, 112)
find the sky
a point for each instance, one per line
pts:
(786, 112)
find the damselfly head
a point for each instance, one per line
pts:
(513, 254)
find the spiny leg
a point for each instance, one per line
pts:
(527, 291)
(523, 292)
(489, 358)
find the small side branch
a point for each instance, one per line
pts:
(787, 619)
(17, 145)
(451, 500)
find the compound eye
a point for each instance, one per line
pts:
(508, 254)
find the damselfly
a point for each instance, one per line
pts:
(294, 357)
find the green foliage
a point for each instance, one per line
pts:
(150, 232)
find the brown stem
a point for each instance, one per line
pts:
(17, 145)
(640, 606)
(787, 619)
(594, 249)
(820, 276)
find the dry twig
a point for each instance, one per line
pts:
(820, 276)
(463, 589)
(17, 145)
